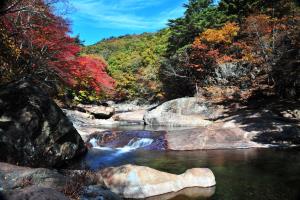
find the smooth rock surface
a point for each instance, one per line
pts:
(131, 181)
(33, 129)
(187, 193)
(133, 116)
(183, 112)
(99, 112)
(216, 136)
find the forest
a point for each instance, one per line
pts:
(206, 107)
(230, 50)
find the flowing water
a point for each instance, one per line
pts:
(254, 174)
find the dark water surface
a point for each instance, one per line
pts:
(244, 174)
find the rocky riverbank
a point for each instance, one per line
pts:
(206, 125)
(35, 132)
(128, 181)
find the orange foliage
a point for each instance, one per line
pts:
(212, 46)
(224, 35)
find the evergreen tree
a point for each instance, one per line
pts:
(240, 8)
(199, 15)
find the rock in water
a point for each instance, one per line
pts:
(132, 181)
(33, 129)
(183, 112)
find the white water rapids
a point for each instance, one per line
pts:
(133, 144)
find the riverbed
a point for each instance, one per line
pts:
(241, 174)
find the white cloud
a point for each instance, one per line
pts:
(129, 14)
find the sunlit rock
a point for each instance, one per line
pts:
(132, 181)
(183, 112)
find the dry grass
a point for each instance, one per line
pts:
(74, 187)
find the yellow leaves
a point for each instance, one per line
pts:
(223, 35)
(8, 47)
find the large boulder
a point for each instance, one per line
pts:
(132, 181)
(33, 129)
(183, 112)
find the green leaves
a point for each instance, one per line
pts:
(134, 62)
(200, 15)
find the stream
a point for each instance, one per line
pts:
(241, 174)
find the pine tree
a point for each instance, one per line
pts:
(199, 15)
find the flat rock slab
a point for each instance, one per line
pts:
(99, 112)
(132, 181)
(216, 136)
(135, 116)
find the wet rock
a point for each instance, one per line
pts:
(187, 193)
(118, 139)
(33, 129)
(183, 112)
(131, 181)
(35, 193)
(97, 192)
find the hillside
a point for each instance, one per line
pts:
(134, 62)
(216, 51)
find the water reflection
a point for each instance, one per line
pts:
(187, 193)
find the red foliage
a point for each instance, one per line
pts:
(91, 72)
(48, 52)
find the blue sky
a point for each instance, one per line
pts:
(94, 20)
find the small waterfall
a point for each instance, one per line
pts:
(93, 142)
(135, 143)
(139, 143)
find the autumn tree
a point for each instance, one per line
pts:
(199, 15)
(36, 43)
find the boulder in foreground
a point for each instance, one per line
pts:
(36, 193)
(33, 129)
(132, 181)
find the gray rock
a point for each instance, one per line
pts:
(133, 116)
(14, 177)
(97, 192)
(99, 112)
(36, 193)
(183, 112)
(227, 73)
(33, 129)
